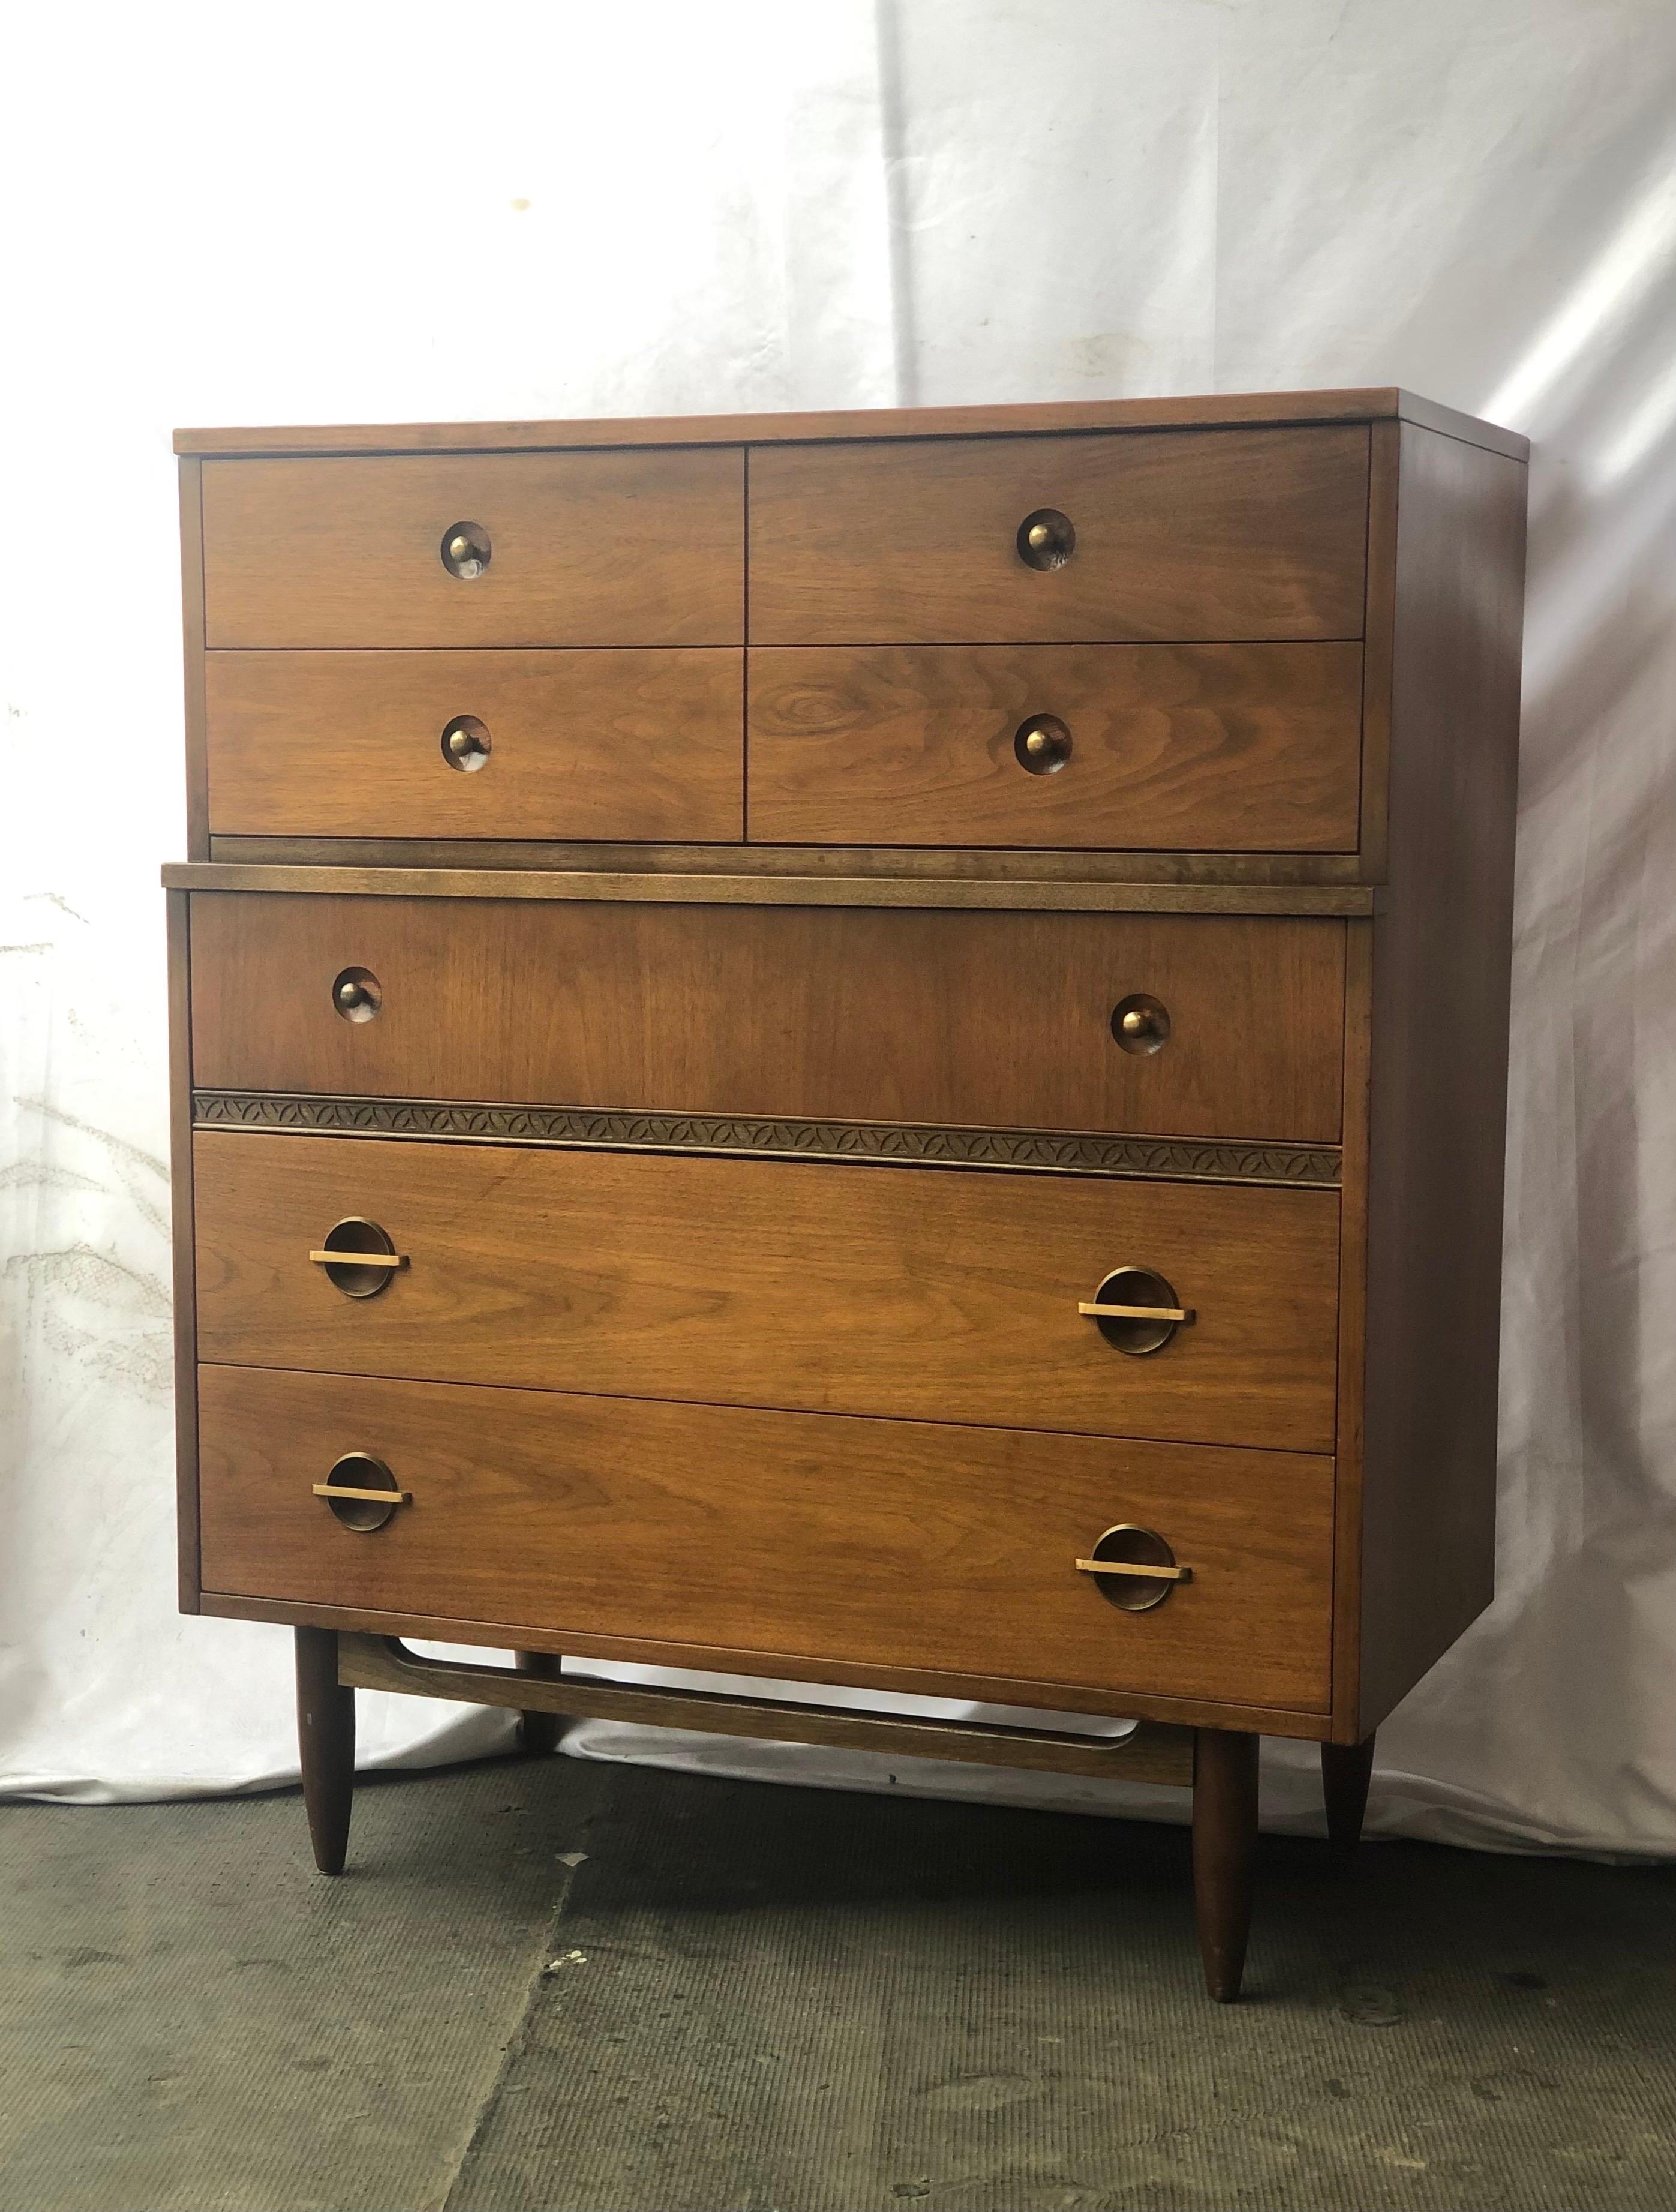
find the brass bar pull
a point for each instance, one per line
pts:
(1096, 1312)
(350, 1259)
(372, 1496)
(1134, 1567)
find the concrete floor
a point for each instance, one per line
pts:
(753, 1997)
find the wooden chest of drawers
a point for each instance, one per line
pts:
(865, 1050)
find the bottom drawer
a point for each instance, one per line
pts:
(899, 1546)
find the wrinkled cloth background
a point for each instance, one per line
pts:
(382, 213)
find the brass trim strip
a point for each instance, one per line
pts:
(587, 1128)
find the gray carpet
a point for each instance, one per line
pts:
(800, 2000)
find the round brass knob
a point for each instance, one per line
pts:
(466, 743)
(356, 994)
(1047, 539)
(1140, 1023)
(466, 551)
(1042, 746)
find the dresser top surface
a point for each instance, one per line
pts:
(1223, 410)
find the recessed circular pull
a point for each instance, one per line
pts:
(1140, 1023)
(1042, 745)
(1136, 1311)
(1047, 539)
(466, 743)
(359, 1471)
(467, 550)
(1143, 1549)
(348, 1237)
(356, 993)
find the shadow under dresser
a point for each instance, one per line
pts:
(858, 1050)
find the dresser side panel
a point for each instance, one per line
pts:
(185, 1247)
(1442, 950)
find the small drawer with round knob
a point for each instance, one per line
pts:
(1247, 534)
(1237, 748)
(607, 746)
(600, 546)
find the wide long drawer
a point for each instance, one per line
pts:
(775, 1537)
(930, 1294)
(995, 1020)
(610, 743)
(597, 548)
(1170, 535)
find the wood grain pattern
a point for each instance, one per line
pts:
(588, 549)
(1348, 1450)
(1098, 894)
(608, 744)
(1222, 874)
(934, 1295)
(1224, 1849)
(1222, 534)
(889, 1543)
(1312, 1727)
(1152, 1752)
(182, 1254)
(853, 1014)
(1442, 948)
(1255, 747)
(192, 627)
(1205, 411)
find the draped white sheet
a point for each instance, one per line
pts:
(397, 212)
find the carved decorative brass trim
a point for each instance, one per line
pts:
(590, 1128)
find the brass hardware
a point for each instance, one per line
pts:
(356, 993)
(1133, 1568)
(360, 1258)
(467, 550)
(1084, 1566)
(1140, 1023)
(1109, 1313)
(1042, 745)
(466, 743)
(367, 1496)
(1136, 1311)
(1047, 539)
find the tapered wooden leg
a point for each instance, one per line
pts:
(1225, 1844)
(1346, 1769)
(540, 1734)
(326, 1742)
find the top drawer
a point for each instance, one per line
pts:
(603, 548)
(1179, 535)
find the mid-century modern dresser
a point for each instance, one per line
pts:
(862, 1050)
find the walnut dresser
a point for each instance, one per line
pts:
(860, 1049)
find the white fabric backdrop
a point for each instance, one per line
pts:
(392, 212)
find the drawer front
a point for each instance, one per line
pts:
(928, 1294)
(638, 744)
(863, 1014)
(864, 1543)
(1212, 534)
(583, 548)
(1233, 748)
